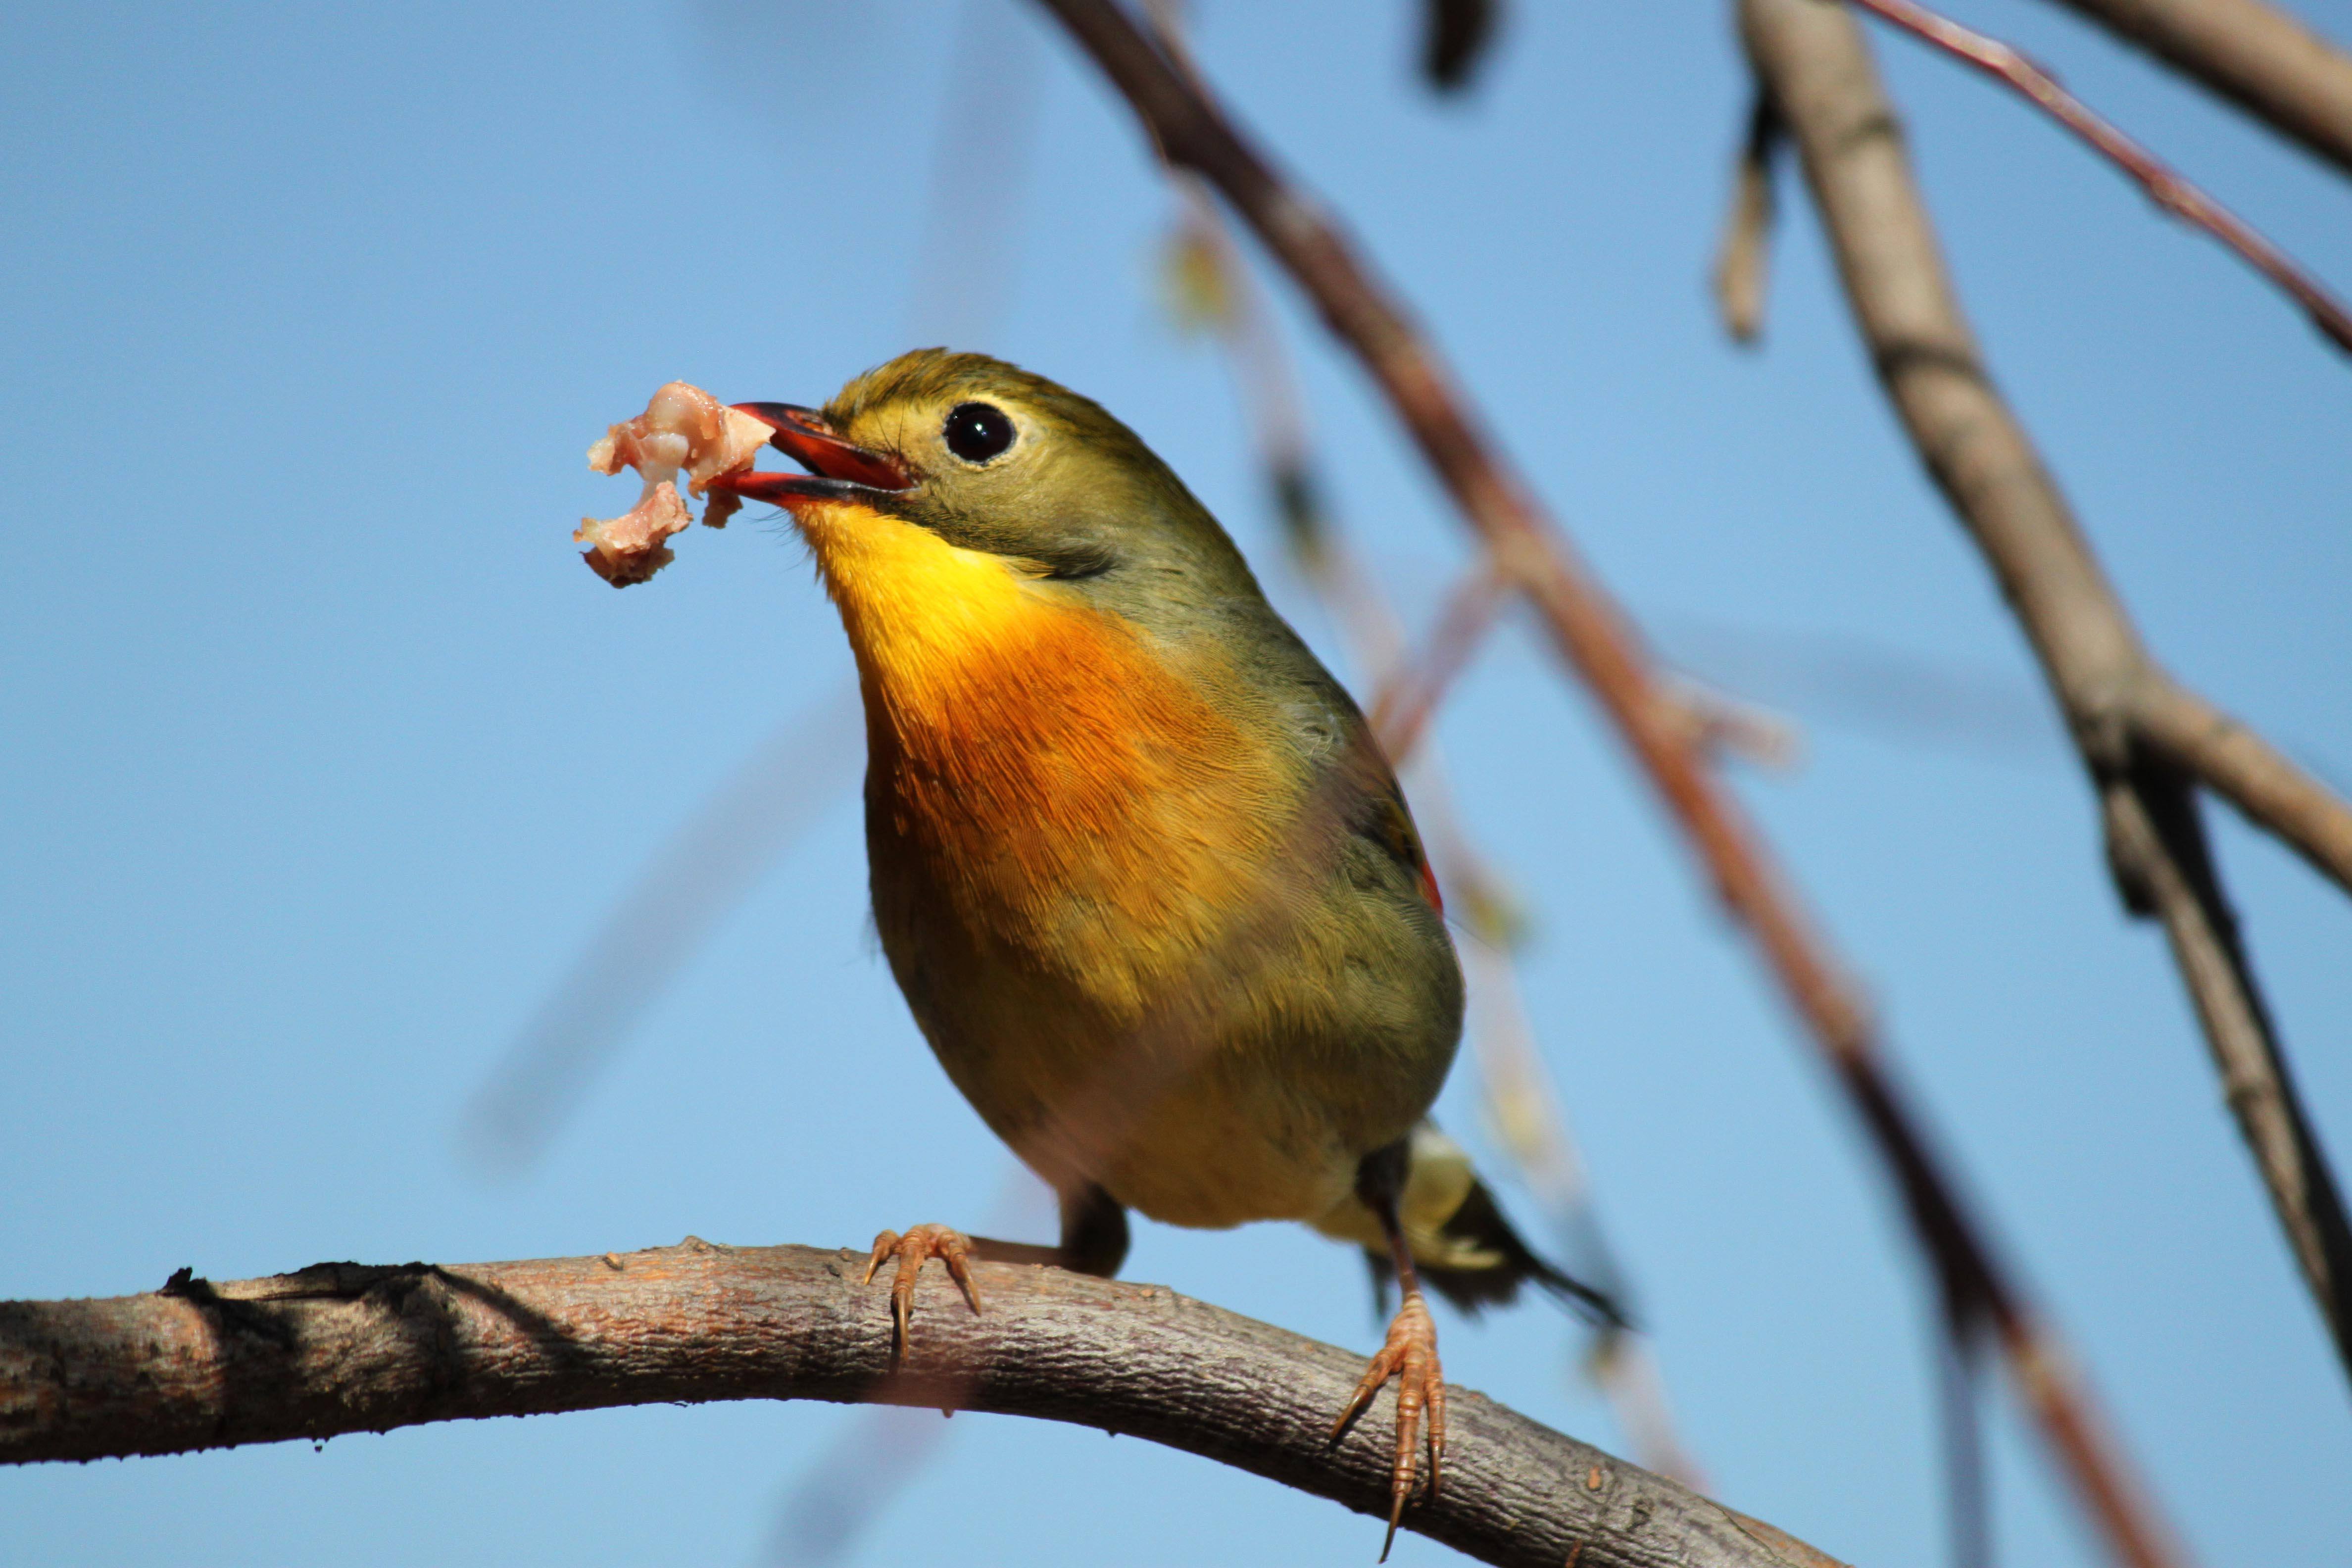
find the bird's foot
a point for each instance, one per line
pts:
(920, 1244)
(1410, 1357)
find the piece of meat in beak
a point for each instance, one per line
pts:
(838, 470)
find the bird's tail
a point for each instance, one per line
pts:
(1462, 1245)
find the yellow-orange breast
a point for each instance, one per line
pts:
(1081, 799)
(1101, 884)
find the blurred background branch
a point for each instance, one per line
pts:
(1458, 39)
(1213, 289)
(704, 869)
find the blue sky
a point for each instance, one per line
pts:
(325, 755)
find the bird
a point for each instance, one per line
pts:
(1153, 895)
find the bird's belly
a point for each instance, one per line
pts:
(1207, 1158)
(1202, 1081)
(1189, 1129)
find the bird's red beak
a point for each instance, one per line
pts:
(837, 470)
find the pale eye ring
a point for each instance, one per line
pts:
(978, 431)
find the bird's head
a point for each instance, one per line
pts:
(985, 460)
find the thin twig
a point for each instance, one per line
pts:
(709, 864)
(1744, 261)
(1730, 726)
(2270, 64)
(2165, 187)
(1815, 61)
(1409, 695)
(1590, 631)
(1416, 686)
(1524, 1106)
(343, 1347)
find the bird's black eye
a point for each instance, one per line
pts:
(978, 431)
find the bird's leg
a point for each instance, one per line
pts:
(1409, 1355)
(1094, 1241)
(1094, 1231)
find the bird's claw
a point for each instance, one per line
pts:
(923, 1242)
(1410, 1357)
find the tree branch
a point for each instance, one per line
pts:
(2164, 186)
(2247, 771)
(2271, 65)
(2139, 735)
(1593, 636)
(343, 1347)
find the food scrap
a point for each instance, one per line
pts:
(686, 430)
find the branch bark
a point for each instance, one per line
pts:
(343, 1347)
(1592, 635)
(2256, 55)
(2144, 740)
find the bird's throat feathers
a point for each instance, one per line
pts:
(1031, 747)
(924, 617)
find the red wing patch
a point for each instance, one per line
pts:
(1398, 836)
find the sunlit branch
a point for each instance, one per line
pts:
(341, 1348)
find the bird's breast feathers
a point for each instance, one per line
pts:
(1073, 795)
(1123, 896)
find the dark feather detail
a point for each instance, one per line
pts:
(1479, 1221)
(1387, 821)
